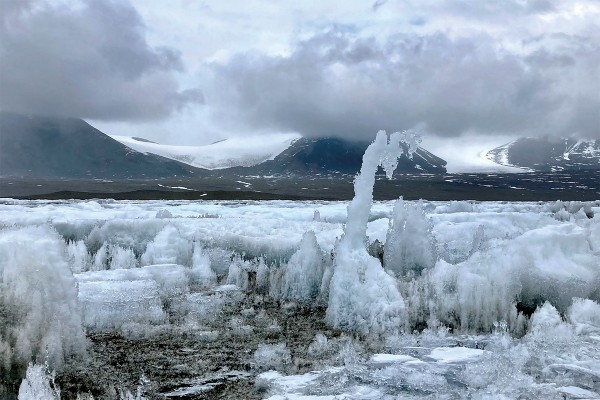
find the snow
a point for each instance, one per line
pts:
(240, 151)
(466, 155)
(581, 147)
(175, 187)
(205, 384)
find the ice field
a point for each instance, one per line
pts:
(71, 267)
(443, 300)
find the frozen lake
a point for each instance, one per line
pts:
(503, 302)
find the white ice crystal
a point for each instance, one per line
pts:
(304, 271)
(38, 385)
(409, 246)
(271, 356)
(201, 270)
(168, 247)
(38, 295)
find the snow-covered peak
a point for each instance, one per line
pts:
(548, 154)
(233, 152)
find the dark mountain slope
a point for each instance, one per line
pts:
(48, 147)
(337, 156)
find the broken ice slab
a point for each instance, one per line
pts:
(455, 354)
(385, 360)
(112, 298)
(574, 392)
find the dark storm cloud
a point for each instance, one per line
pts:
(87, 59)
(335, 84)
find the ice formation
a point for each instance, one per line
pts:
(168, 247)
(275, 356)
(509, 306)
(584, 314)
(410, 245)
(78, 257)
(111, 256)
(240, 272)
(111, 299)
(40, 319)
(201, 270)
(304, 271)
(362, 296)
(38, 385)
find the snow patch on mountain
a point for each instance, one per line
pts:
(469, 154)
(234, 152)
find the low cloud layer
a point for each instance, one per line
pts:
(452, 68)
(86, 59)
(341, 85)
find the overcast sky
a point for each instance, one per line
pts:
(192, 72)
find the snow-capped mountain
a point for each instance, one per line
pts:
(233, 152)
(337, 156)
(281, 154)
(548, 154)
(50, 147)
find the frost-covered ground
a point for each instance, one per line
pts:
(496, 300)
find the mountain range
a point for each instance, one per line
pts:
(327, 156)
(548, 154)
(50, 147)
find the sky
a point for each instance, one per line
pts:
(194, 72)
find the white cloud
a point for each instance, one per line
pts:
(514, 67)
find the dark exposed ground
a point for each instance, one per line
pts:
(581, 186)
(180, 359)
